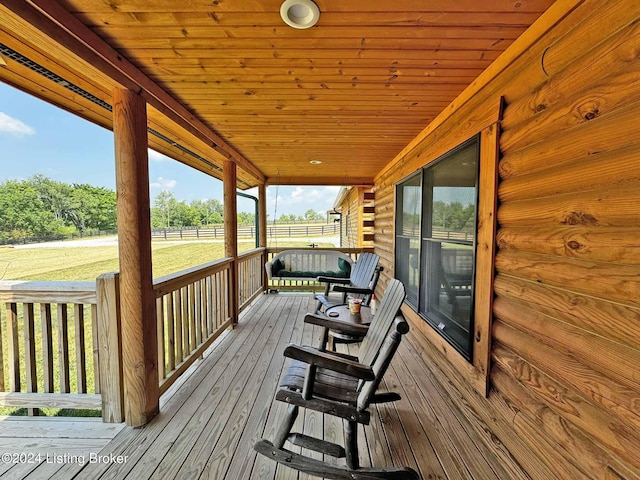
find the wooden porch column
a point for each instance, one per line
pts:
(137, 302)
(231, 232)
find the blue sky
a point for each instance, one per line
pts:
(38, 138)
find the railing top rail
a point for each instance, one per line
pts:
(335, 249)
(26, 291)
(177, 280)
(252, 253)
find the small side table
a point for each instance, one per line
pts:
(342, 313)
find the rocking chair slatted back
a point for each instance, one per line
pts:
(363, 270)
(389, 307)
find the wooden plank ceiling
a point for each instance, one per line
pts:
(350, 92)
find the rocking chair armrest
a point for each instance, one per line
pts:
(350, 289)
(336, 325)
(313, 356)
(322, 279)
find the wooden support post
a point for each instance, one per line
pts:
(137, 301)
(262, 228)
(231, 233)
(110, 348)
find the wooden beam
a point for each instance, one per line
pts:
(63, 27)
(231, 233)
(137, 300)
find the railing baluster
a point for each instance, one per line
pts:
(96, 349)
(193, 337)
(160, 334)
(211, 319)
(47, 347)
(177, 299)
(81, 361)
(30, 351)
(14, 347)
(63, 348)
(186, 348)
(171, 339)
(197, 310)
(2, 386)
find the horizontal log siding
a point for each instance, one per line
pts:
(351, 233)
(566, 343)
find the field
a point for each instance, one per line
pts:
(84, 263)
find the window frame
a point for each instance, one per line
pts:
(477, 371)
(425, 181)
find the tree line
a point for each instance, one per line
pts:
(168, 212)
(42, 208)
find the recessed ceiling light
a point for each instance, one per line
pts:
(300, 13)
(315, 162)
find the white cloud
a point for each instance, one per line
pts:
(164, 184)
(14, 127)
(157, 156)
(300, 199)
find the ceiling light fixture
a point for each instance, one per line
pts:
(315, 162)
(300, 13)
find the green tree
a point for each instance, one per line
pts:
(210, 211)
(56, 196)
(23, 214)
(246, 218)
(163, 209)
(92, 208)
(311, 215)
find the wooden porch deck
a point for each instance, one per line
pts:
(210, 420)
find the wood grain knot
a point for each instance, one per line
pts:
(591, 115)
(574, 245)
(580, 218)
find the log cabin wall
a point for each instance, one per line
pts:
(564, 393)
(351, 207)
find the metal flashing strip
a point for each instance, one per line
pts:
(31, 65)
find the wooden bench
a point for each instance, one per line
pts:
(308, 264)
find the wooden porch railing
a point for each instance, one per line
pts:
(50, 336)
(192, 310)
(251, 276)
(305, 285)
(62, 340)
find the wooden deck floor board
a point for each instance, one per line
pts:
(210, 420)
(260, 386)
(244, 457)
(202, 417)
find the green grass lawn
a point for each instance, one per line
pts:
(76, 263)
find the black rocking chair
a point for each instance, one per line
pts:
(343, 386)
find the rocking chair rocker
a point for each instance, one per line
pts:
(343, 386)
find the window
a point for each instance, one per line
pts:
(436, 218)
